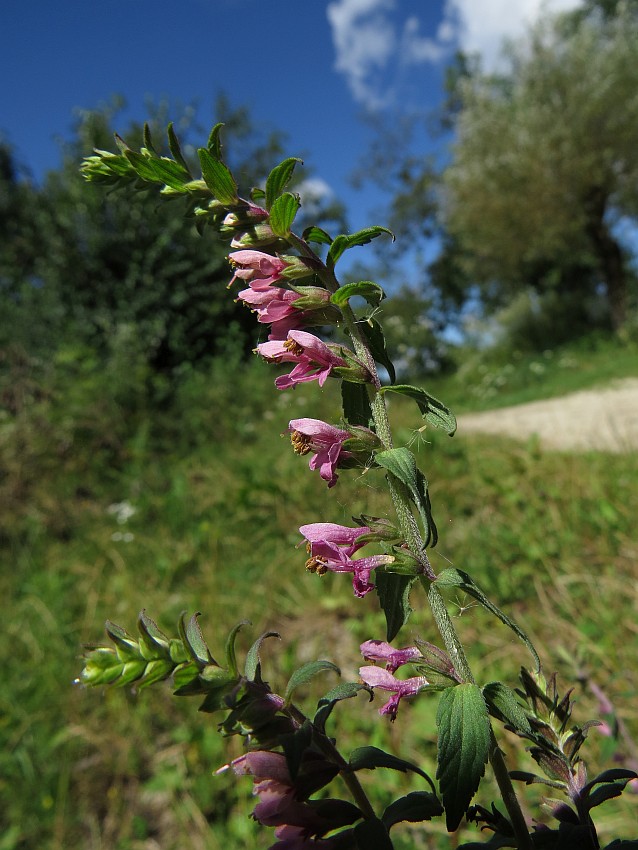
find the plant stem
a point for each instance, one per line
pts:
(440, 613)
(413, 538)
(509, 795)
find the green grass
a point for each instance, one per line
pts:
(495, 378)
(215, 496)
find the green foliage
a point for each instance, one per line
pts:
(464, 742)
(86, 769)
(452, 577)
(393, 590)
(343, 242)
(88, 263)
(432, 410)
(402, 464)
(544, 161)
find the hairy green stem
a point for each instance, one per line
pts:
(440, 613)
(509, 795)
(413, 538)
(497, 762)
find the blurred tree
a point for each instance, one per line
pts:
(544, 175)
(130, 260)
(113, 269)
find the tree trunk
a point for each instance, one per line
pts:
(610, 257)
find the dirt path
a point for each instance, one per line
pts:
(604, 418)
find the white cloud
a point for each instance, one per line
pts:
(482, 27)
(416, 48)
(364, 44)
(314, 194)
(371, 44)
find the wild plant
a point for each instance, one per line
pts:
(292, 754)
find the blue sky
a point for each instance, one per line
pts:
(311, 68)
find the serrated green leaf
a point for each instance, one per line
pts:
(458, 578)
(402, 464)
(345, 241)
(463, 748)
(279, 178)
(373, 333)
(372, 834)
(503, 704)
(307, 672)
(214, 144)
(218, 178)
(370, 758)
(367, 289)
(193, 640)
(432, 410)
(347, 690)
(158, 170)
(176, 150)
(393, 591)
(356, 403)
(317, 235)
(415, 807)
(148, 140)
(252, 665)
(282, 214)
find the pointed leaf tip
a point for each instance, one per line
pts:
(307, 672)
(218, 178)
(282, 214)
(279, 178)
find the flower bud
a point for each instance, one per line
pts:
(311, 297)
(243, 217)
(256, 236)
(299, 267)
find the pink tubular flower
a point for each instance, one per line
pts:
(331, 547)
(313, 435)
(376, 677)
(283, 802)
(313, 359)
(257, 267)
(378, 650)
(274, 306)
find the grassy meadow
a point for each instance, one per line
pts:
(111, 504)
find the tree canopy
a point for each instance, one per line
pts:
(85, 265)
(544, 171)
